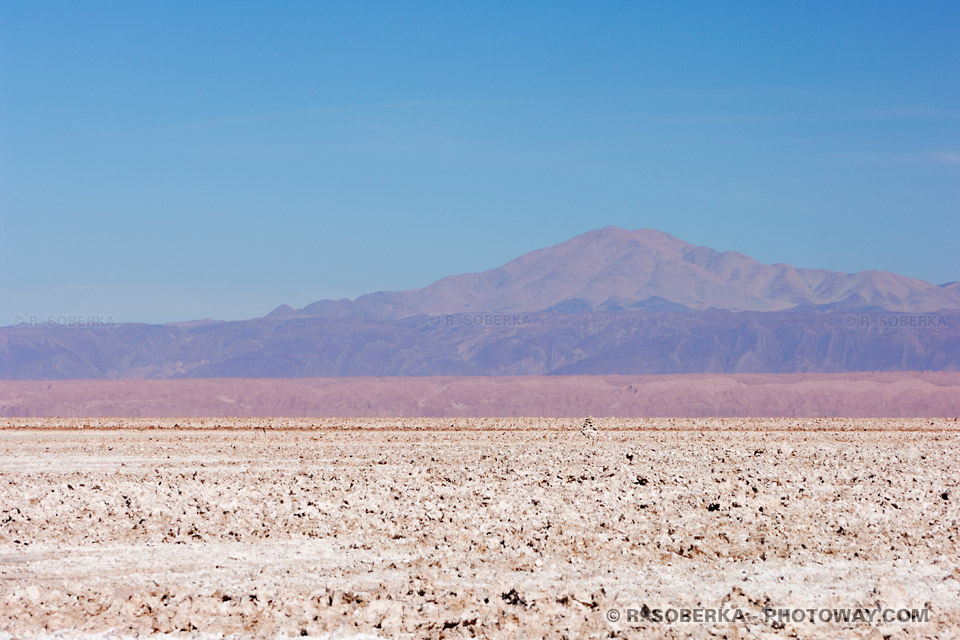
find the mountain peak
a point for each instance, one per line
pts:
(616, 269)
(645, 236)
(283, 311)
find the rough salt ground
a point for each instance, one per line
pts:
(471, 533)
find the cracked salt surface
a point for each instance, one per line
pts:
(380, 533)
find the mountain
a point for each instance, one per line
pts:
(609, 301)
(613, 342)
(614, 269)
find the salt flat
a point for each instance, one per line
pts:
(889, 394)
(496, 528)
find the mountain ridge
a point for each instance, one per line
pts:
(609, 301)
(614, 269)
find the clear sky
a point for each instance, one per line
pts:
(166, 161)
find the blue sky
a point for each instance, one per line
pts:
(168, 161)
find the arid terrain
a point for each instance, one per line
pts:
(475, 528)
(848, 395)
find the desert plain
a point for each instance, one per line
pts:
(510, 528)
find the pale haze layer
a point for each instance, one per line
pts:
(162, 162)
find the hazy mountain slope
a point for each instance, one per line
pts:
(607, 301)
(616, 269)
(547, 343)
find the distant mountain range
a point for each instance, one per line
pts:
(607, 301)
(614, 269)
